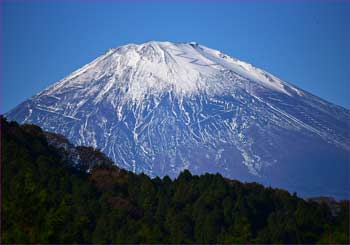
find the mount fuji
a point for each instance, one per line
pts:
(162, 107)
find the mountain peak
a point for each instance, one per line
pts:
(184, 68)
(161, 107)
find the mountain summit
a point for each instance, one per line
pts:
(161, 107)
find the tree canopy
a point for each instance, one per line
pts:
(45, 199)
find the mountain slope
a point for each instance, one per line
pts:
(47, 200)
(162, 107)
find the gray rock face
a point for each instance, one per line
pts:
(162, 107)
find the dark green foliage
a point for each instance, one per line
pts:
(46, 200)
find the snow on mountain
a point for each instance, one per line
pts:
(161, 107)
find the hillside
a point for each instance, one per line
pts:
(48, 196)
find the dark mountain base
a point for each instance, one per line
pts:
(45, 199)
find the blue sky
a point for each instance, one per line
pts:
(304, 43)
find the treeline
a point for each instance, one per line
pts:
(47, 200)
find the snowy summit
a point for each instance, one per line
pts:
(185, 68)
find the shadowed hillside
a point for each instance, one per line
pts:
(53, 192)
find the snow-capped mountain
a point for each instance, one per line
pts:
(161, 107)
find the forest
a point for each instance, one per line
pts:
(45, 198)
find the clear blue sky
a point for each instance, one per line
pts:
(304, 43)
